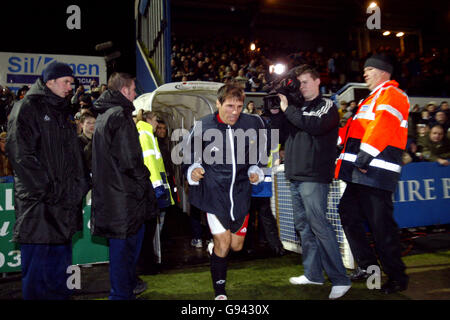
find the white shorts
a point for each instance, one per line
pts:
(216, 227)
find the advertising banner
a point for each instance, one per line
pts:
(85, 248)
(19, 69)
(423, 195)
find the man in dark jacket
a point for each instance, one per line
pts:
(50, 183)
(220, 175)
(122, 193)
(309, 164)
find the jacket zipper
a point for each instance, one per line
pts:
(233, 177)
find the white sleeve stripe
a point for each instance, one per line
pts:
(391, 110)
(157, 183)
(369, 149)
(141, 132)
(321, 111)
(147, 153)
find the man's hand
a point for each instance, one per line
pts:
(362, 170)
(253, 178)
(284, 102)
(197, 174)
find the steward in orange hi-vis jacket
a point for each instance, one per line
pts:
(370, 164)
(375, 139)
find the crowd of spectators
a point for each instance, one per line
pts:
(232, 59)
(428, 131)
(209, 60)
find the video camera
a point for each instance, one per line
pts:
(288, 86)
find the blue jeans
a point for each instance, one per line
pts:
(320, 250)
(123, 258)
(44, 268)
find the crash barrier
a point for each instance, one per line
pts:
(86, 249)
(422, 199)
(282, 210)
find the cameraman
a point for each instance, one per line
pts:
(309, 165)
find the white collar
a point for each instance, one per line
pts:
(379, 86)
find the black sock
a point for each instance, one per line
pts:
(218, 273)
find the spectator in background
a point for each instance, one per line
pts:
(93, 84)
(254, 84)
(85, 101)
(21, 92)
(435, 146)
(342, 110)
(351, 110)
(444, 107)
(5, 165)
(440, 118)
(241, 78)
(250, 107)
(87, 121)
(164, 146)
(431, 107)
(76, 97)
(50, 183)
(103, 88)
(425, 117)
(6, 104)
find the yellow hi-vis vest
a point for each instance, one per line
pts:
(153, 157)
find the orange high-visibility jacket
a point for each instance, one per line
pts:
(374, 139)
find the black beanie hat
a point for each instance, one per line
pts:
(379, 61)
(56, 70)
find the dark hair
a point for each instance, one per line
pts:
(437, 125)
(305, 68)
(232, 89)
(86, 98)
(86, 115)
(118, 80)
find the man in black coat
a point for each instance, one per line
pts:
(122, 193)
(50, 183)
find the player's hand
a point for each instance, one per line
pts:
(197, 174)
(253, 178)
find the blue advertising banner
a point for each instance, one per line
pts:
(423, 195)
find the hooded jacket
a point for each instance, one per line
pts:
(49, 173)
(122, 193)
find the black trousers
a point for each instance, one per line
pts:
(266, 221)
(147, 258)
(363, 204)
